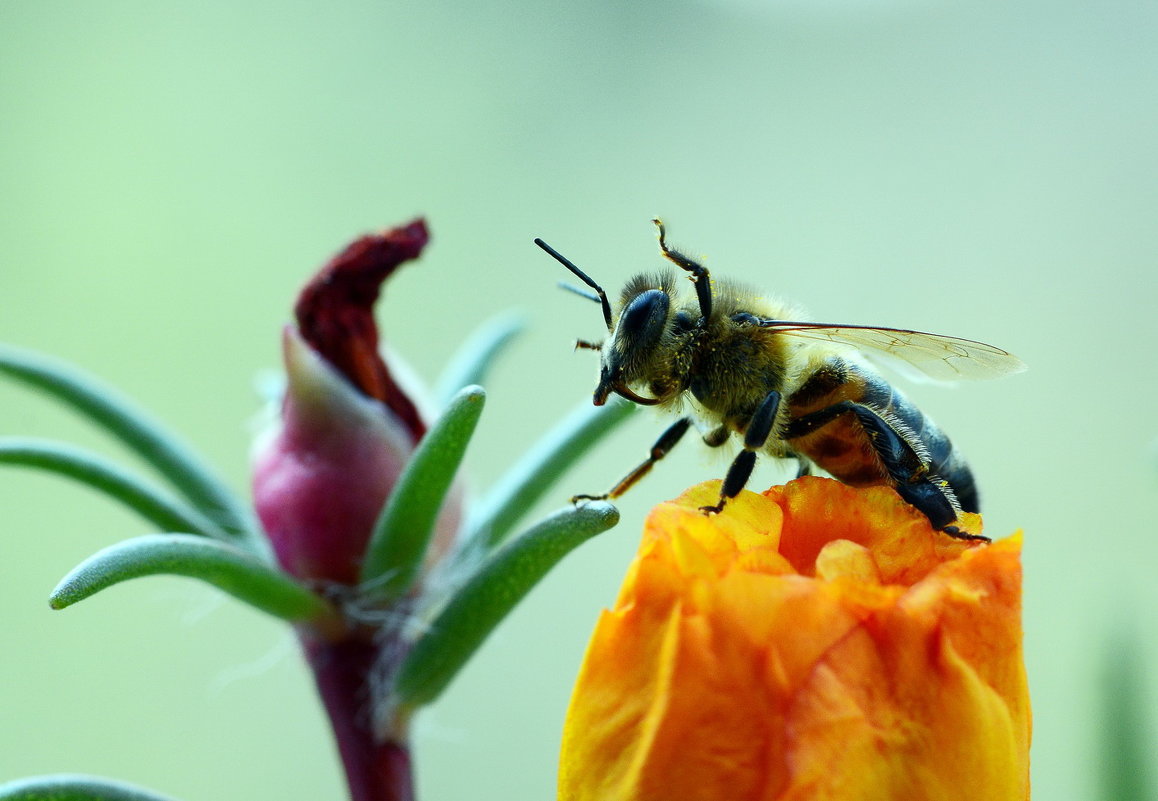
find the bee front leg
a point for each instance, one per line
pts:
(667, 440)
(699, 273)
(755, 435)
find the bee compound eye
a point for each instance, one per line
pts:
(683, 322)
(643, 320)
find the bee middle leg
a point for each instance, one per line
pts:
(928, 493)
(755, 435)
(717, 436)
(667, 440)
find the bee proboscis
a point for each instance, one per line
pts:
(792, 389)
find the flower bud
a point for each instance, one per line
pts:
(323, 473)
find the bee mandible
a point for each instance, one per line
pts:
(750, 367)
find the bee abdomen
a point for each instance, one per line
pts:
(926, 438)
(825, 430)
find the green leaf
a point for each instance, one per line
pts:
(224, 566)
(473, 611)
(496, 515)
(1125, 737)
(140, 432)
(139, 495)
(74, 787)
(403, 529)
(474, 359)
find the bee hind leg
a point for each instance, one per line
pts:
(755, 435)
(930, 494)
(667, 440)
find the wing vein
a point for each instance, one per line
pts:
(941, 357)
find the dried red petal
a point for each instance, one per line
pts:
(335, 314)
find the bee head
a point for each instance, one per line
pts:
(639, 334)
(643, 322)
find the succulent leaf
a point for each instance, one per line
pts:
(74, 787)
(140, 432)
(476, 357)
(224, 566)
(496, 515)
(403, 530)
(141, 496)
(477, 607)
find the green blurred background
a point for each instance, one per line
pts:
(170, 173)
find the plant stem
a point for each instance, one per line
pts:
(375, 771)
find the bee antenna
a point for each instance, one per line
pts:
(583, 293)
(600, 295)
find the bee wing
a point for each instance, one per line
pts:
(939, 357)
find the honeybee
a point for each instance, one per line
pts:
(750, 367)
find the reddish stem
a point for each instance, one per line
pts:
(375, 771)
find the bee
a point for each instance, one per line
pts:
(751, 368)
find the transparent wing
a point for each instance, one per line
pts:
(939, 357)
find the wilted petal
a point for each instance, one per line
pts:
(335, 314)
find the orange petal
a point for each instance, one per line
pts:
(816, 642)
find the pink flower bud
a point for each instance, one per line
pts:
(321, 479)
(346, 429)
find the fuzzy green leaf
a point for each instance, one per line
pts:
(473, 361)
(224, 566)
(403, 529)
(138, 430)
(477, 607)
(150, 502)
(522, 485)
(74, 787)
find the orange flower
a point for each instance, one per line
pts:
(814, 642)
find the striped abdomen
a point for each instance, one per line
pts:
(827, 427)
